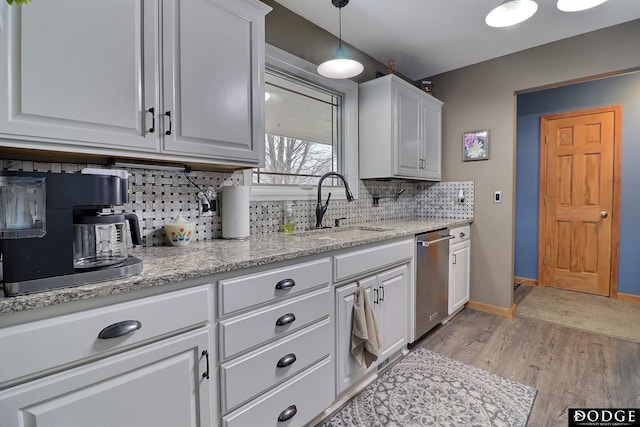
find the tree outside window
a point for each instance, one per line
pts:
(302, 139)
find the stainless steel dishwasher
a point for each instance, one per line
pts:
(432, 280)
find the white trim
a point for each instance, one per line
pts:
(289, 63)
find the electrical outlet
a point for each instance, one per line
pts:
(207, 202)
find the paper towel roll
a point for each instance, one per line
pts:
(235, 212)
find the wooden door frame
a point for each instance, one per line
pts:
(617, 181)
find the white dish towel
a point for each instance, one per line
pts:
(365, 337)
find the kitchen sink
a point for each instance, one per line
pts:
(340, 233)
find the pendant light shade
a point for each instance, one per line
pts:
(511, 12)
(577, 5)
(340, 66)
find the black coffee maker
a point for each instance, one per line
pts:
(53, 232)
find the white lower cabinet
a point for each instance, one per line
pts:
(157, 385)
(147, 362)
(387, 292)
(459, 268)
(276, 335)
(294, 403)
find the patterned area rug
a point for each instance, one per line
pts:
(427, 389)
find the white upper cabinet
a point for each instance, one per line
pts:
(213, 68)
(400, 131)
(177, 80)
(75, 72)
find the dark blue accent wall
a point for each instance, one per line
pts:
(621, 90)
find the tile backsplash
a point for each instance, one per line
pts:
(158, 196)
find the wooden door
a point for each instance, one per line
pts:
(578, 200)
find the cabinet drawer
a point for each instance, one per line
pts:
(250, 375)
(460, 234)
(362, 261)
(252, 289)
(64, 340)
(251, 329)
(310, 393)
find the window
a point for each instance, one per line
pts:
(302, 141)
(310, 128)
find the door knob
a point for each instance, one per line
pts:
(604, 214)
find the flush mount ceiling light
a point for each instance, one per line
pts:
(577, 5)
(511, 12)
(341, 66)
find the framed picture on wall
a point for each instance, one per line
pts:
(475, 145)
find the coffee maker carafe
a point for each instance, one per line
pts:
(58, 235)
(100, 241)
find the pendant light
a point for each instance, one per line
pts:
(511, 12)
(341, 66)
(577, 5)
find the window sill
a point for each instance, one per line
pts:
(281, 193)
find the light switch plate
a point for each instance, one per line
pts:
(497, 197)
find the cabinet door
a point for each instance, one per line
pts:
(213, 62)
(348, 371)
(79, 73)
(431, 139)
(408, 140)
(157, 385)
(459, 275)
(392, 308)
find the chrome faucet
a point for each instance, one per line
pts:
(320, 208)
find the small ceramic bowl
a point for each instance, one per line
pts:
(180, 232)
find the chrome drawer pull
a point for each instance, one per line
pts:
(119, 329)
(286, 319)
(287, 414)
(285, 284)
(286, 360)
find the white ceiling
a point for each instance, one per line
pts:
(428, 37)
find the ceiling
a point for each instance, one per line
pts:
(425, 38)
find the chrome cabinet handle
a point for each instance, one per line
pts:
(286, 360)
(205, 353)
(381, 293)
(462, 234)
(168, 114)
(287, 414)
(152, 110)
(285, 284)
(376, 297)
(604, 214)
(286, 319)
(119, 329)
(454, 259)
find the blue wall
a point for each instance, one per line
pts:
(621, 90)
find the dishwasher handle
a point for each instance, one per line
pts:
(427, 243)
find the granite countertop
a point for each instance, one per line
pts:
(168, 264)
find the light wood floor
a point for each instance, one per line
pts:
(570, 368)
